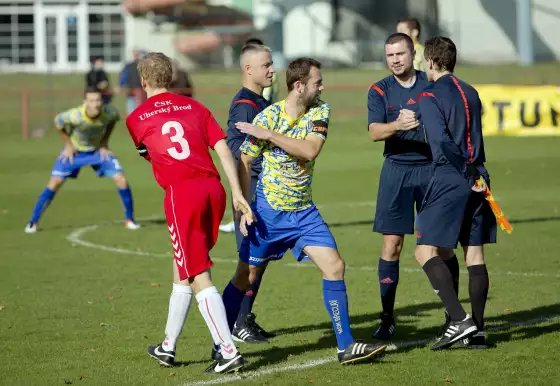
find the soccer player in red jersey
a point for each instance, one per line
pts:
(174, 133)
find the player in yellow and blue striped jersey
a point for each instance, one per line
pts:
(85, 131)
(290, 134)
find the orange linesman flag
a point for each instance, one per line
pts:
(501, 219)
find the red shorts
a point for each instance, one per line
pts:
(194, 209)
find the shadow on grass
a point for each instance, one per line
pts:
(507, 327)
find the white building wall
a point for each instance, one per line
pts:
(486, 31)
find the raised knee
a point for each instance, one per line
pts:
(120, 180)
(336, 269)
(55, 183)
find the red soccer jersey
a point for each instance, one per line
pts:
(177, 131)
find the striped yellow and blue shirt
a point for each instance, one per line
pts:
(286, 179)
(86, 133)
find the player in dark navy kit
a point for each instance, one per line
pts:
(454, 208)
(256, 64)
(407, 170)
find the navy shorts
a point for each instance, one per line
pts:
(277, 231)
(452, 213)
(238, 235)
(401, 188)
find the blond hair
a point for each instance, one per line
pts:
(156, 69)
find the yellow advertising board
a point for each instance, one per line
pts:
(520, 110)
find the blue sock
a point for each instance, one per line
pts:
(249, 299)
(336, 302)
(232, 298)
(388, 281)
(126, 198)
(42, 204)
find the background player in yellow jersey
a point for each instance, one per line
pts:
(290, 134)
(85, 131)
(411, 27)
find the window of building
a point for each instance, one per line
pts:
(106, 37)
(17, 37)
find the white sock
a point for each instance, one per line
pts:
(212, 308)
(179, 304)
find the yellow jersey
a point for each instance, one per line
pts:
(285, 179)
(419, 57)
(86, 133)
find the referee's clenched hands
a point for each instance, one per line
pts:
(407, 120)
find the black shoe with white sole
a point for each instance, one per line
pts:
(251, 321)
(477, 341)
(247, 333)
(222, 365)
(386, 328)
(455, 331)
(360, 352)
(444, 326)
(166, 358)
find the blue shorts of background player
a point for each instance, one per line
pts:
(107, 167)
(401, 189)
(105, 164)
(277, 231)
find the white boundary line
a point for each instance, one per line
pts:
(323, 361)
(76, 238)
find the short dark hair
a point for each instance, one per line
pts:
(399, 37)
(92, 90)
(442, 52)
(299, 69)
(412, 24)
(254, 41)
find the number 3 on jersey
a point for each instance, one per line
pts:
(178, 138)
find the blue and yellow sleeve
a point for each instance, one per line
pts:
(253, 146)
(320, 121)
(65, 120)
(112, 113)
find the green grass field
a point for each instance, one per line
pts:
(81, 299)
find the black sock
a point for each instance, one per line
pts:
(478, 292)
(442, 282)
(249, 299)
(453, 266)
(388, 281)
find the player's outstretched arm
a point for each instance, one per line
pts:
(308, 148)
(240, 202)
(63, 124)
(107, 135)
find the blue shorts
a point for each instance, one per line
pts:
(277, 231)
(452, 213)
(103, 168)
(401, 188)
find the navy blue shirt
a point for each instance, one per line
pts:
(451, 114)
(245, 106)
(385, 100)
